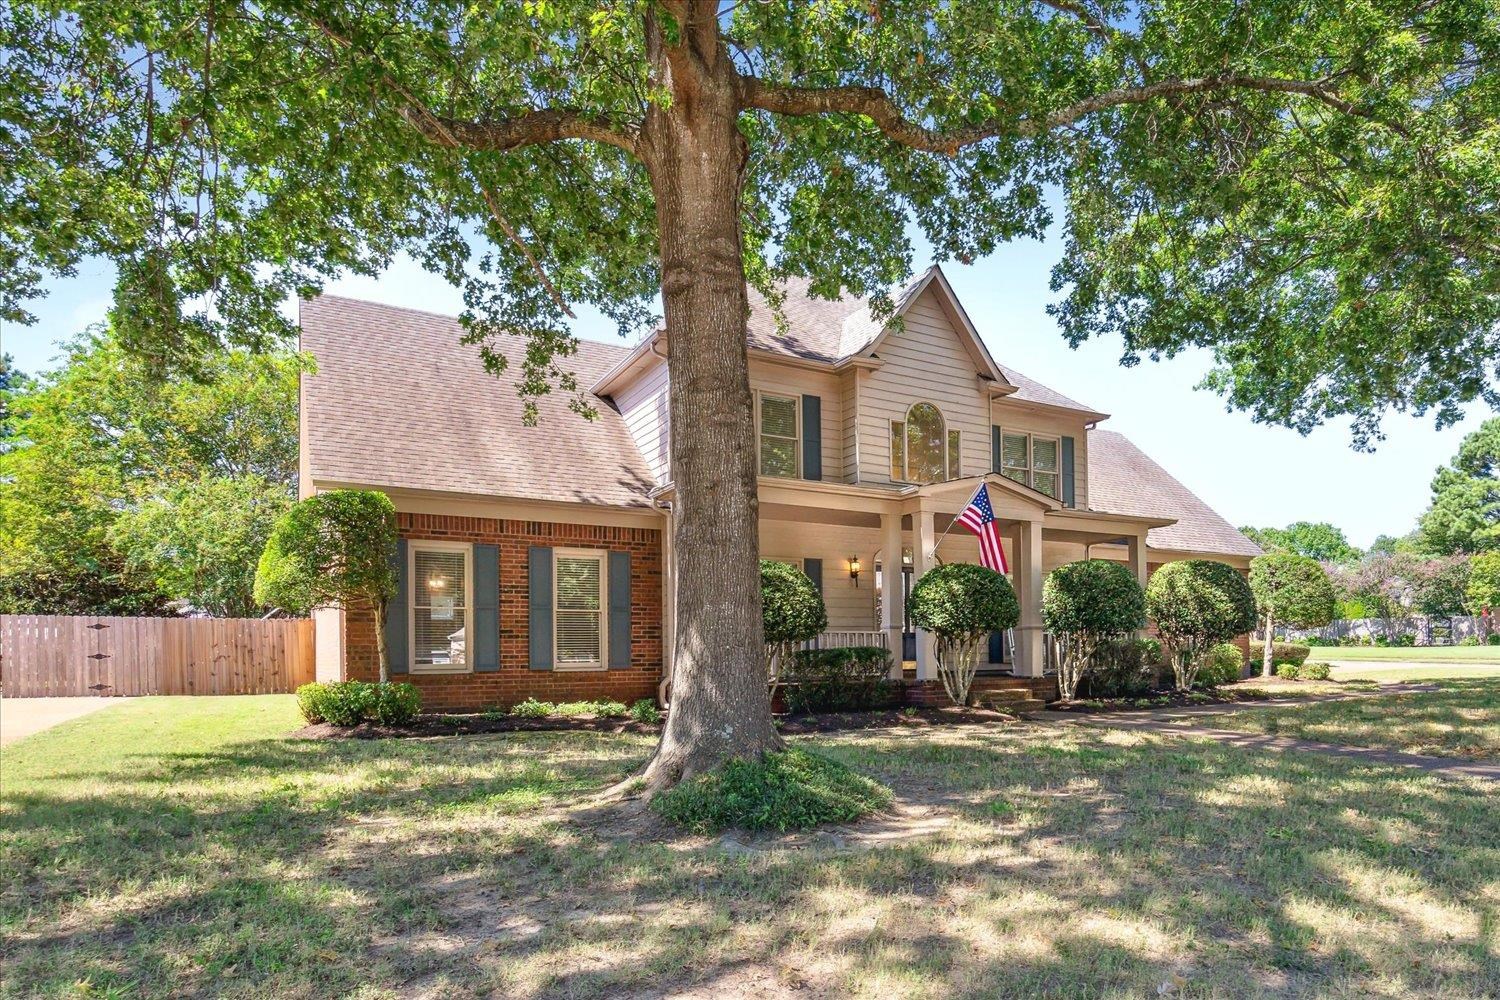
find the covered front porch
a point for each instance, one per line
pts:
(865, 546)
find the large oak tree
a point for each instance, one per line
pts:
(1306, 189)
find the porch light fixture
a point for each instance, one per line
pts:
(854, 569)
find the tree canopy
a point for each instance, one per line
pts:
(1304, 189)
(1084, 603)
(1316, 540)
(1465, 512)
(1197, 604)
(1290, 589)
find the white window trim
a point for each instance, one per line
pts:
(1031, 469)
(796, 402)
(948, 428)
(413, 546)
(602, 555)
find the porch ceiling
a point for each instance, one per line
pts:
(818, 515)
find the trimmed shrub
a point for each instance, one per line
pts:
(1315, 642)
(1122, 668)
(1293, 590)
(1494, 639)
(842, 679)
(310, 700)
(1083, 604)
(961, 604)
(783, 790)
(395, 704)
(1314, 672)
(532, 709)
(1469, 640)
(1287, 671)
(1224, 664)
(603, 709)
(1405, 639)
(1281, 652)
(791, 611)
(645, 710)
(348, 703)
(1197, 604)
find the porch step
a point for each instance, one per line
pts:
(1016, 700)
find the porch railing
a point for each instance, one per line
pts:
(857, 637)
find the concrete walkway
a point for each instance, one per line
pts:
(1181, 722)
(23, 717)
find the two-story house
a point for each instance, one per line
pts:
(538, 560)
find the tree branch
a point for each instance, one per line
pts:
(530, 128)
(1100, 27)
(875, 104)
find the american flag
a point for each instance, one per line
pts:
(979, 517)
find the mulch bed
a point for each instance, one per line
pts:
(1159, 699)
(474, 725)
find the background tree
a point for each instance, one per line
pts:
(1315, 540)
(1303, 189)
(791, 610)
(1437, 585)
(333, 549)
(1465, 512)
(961, 604)
(1197, 604)
(1083, 604)
(106, 435)
(1289, 590)
(1483, 590)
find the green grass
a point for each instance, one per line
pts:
(790, 789)
(1409, 654)
(1461, 719)
(185, 847)
(1428, 672)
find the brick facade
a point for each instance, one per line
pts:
(515, 680)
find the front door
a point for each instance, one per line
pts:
(908, 632)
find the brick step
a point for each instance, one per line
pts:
(1017, 702)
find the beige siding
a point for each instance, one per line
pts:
(791, 381)
(1020, 419)
(849, 607)
(644, 406)
(923, 361)
(849, 388)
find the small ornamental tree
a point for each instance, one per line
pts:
(333, 548)
(1290, 590)
(1197, 604)
(791, 611)
(1483, 591)
(1083, 604)
(961, 604)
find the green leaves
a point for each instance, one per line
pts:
(1200, 601)
(1465, 512)
(1094, 596)
(790, 606)
(331, 548)
(1292, 588)
(962, 600)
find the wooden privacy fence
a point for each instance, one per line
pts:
(52, 655)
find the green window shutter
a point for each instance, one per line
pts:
(994, 449)
(619, 610)
(814, 570)
(396, 645)
(812, 437)
(486, 641)
(1068, 486)
(539, 610)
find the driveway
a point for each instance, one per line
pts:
(21, 717)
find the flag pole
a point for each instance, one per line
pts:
(938, 544)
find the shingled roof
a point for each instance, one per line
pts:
(1124, 480)
(398, 402)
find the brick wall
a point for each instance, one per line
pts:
(515, 681)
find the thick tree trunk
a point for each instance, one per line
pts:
(1267, 652)
(720, 702)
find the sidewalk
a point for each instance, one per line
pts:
(23, 717)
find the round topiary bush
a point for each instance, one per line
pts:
(783, 790)
(961, 604)
(1084, 603)
(1197, 604)
(791, 611)
(1314, 672)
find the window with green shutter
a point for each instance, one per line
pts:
(578, 610)
(778, 436)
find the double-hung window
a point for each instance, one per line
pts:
(1031, 460)
(579, 607)
(441, 575)
(779, 436)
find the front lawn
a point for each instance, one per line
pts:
(1462, 719)
(184, 846)
(1408, 654)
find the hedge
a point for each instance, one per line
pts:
(841, 679)
(1281, 652)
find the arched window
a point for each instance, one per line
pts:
(923, 450)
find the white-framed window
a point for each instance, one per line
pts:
(440, 606)
(780, 435)
(579, 606)
(1033, 460)
(923, 449)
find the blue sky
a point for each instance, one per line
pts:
(1252, 474)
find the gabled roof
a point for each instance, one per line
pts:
(1124, 480)
(399, 402)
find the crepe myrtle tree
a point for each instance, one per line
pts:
(791, 611)
(1290, 590)
(1083, 604)
(1302, 188)
(1197, 604)
(333, 549)
(961, 604)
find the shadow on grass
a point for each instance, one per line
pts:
(1081, 864)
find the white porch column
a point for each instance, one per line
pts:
(1137, 557)
(890, 586)
(1028, 575)
(925, 532)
